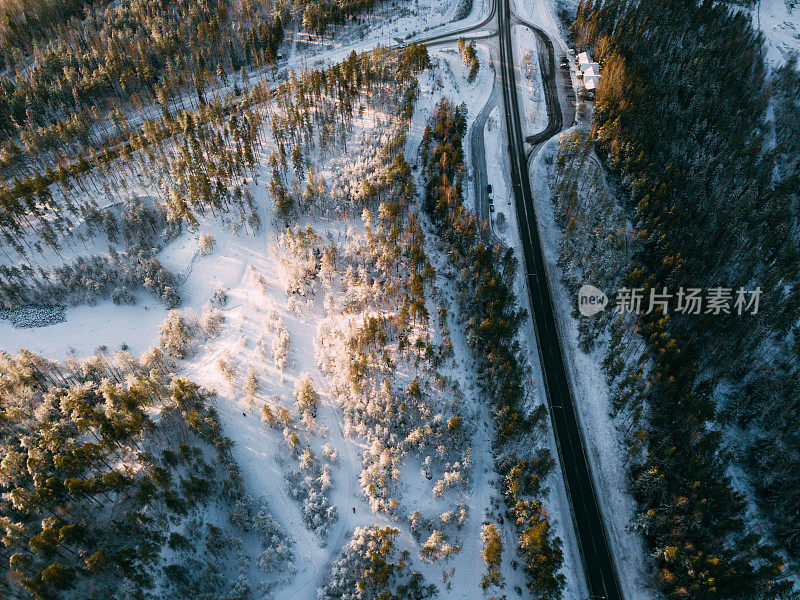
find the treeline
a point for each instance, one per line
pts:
(100, 497)
(198, 161)
(25, 21)
(136, 227)
(595, 239)
(680, 115)
(59, 84)
(768, 404)
(127, 56)
(319, 15)
(485, 279)
(198, 157)
(185, 154)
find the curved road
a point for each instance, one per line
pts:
(478, 150)
(550, 80)
(598, 564)
(449, 36)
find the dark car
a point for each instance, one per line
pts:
(489, 188)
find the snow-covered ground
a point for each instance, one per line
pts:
(469, 564)
(541, 13)
(779, 20)
(425, 18)
(507, 230)
(256, 449)
(497, 170)
(591, 393)
(529, 81)
(87, 327)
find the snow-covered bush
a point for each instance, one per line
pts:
(301, 259)
(450, 479)
(380, 474)
(492, 555)
(434, 537)
(371, 566)
(219, 298)
(259, 279)
(212, 321)
(330, 453)
(87, 279)
(279, 418)
(292, 440)
(227, 367)
(458, 516)
(122, 295)
(175, 334)
(252, 384)
(280, 341)
(437, 547)
(206, 244)
(275, 543)
(143, 225)
(308, 485)
(305, 396)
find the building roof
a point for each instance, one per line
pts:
(584, 58)
(590, 82)
(591, 70)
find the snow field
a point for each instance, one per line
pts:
(529, 81)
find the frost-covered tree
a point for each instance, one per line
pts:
(305, 396)
(175, 334)
(492, 554)
(370, 566)
(206, 244)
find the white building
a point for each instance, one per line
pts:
(591, 70)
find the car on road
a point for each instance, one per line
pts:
(564, 62)
(489, 188)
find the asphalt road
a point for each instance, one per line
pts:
(592, 539)
(449, 36)
(479, 177)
